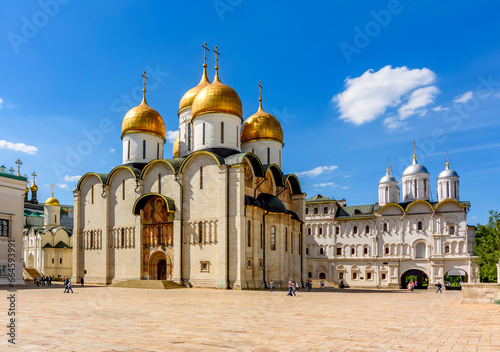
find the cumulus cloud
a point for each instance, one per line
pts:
(172, 135)
(317, 171)
(20, 147)
(325, 184)
(62, 185)
(392, 123)
(370, 95)
(418, 100)
(69, 178)
(440, 108)
(464, 97)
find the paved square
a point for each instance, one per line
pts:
(123, 319)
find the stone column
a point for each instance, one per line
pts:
(76, 238)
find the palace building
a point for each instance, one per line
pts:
(390, 242)
(218, 213)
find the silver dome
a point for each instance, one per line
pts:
(447, 173)
(387, 179)
(415, 169)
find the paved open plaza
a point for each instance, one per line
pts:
(125, 319)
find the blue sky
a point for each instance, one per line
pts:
(351, 82)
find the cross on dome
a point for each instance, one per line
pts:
(19, 164)
(144, 89)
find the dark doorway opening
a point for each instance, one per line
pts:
(322, 276)
(161, 273)
(418, 276)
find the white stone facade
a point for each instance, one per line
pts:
(141, 147)
(269, 151)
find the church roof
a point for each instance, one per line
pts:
(32, 213)
(319, 199)
(355, 211)
(61, 244)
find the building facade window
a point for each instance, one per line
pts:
(355, 230)
(159, 183)
(222, 132)
(189, 136)
(365, 251)
(320, 231)
(386, 250)
(452, 230)
(385, 227)
(123, 189)
(144, 149)
(419, 225)
(354, 275)
(157, 150)
(309, 231)
(368, 276)
(201, 177)
(307, 211)
(60, 260)
(200, 232)
(315, 211)
(447, 249)
(122, 239)
(92, 194)
(367, 229)
(341, 276)
(128, 150)
(286, 239)
(353, 251)
(273, 238)
(325, 210)
(261, 236)
(203, 133)
(383, 276)
(337, 230)
(268, 155)
(321, 251)
(339, 251)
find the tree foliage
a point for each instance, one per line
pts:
(487, 247)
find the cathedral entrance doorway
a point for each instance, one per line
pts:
(417, 276)
(31, 261)
(160, 266)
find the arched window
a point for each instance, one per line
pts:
(249, 234)
(447, 249)
(307, 251)
(419, 225)
(386, 250)
(320, 230)
(55, 218)
(222, 132)
(365, 251)
(355, 230)
(337, 230)
(189, 136)
(92, 194)
(128, 151)
(91, 239)
(321, 251)
(159, 183)
(367, 229)
(420, 250)
(201, 177)
(309, 231)
(144, 149)
(123, 189)
(385, 227)
(353, 251)
(268, 155)
(203, 133)
(273, 238)
(286, 239)
(122, 239)
(452, 230)
(157, 150)
(200, 232)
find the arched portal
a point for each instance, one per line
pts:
(415, 275)
(160, 266)
(31, 261)
(454, 278)
(322, 276)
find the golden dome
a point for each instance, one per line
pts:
(188, 98)
(52, 201)
(34, 187)
(261, 125)
(217, 97)
(26, 190)
(175, 148)
(143, 119)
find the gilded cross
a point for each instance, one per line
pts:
(216, 58)
(52, 189)
(34, 176)
(145, 78)
(11, 170)
(205, 47)
(19, 164)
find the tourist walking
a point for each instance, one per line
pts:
(49, 281)
(439, 288)
(81, 281)
(289, 289)
(294, 289)
(297, 286)
(342, 284)
(68, 286)
(412, 286)
(271, 285)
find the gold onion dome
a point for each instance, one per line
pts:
(188, 98)
(34, 187)
(175, 148)
(261, 125)
(217, 97)
(26, 190)
(52, 201)
(143, 119)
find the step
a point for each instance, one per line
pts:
(149, 284)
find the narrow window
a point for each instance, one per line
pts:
(60, 260)
(261, 236)
(144, 149)
(291, 240)
(355, 230)
(307, 251)
(157, 150)
(273, 238)
(309, 231)
(354, 276)
(320, 231)
(341, 276)
(200, 232)
(159, 183)
(52, 260)
(321, 251)
(122, 238)
(385, 227)
(55, 219)
(201, 177)
(92, 194)
(189, 136)
(222, 132)
(425, 187)
(237, 137)
(386, 250)
(91, 239)
(325, 210)
(368, 276)
(365, 251)
(253, 151)
(353, 251)
(367, 229)
(286, 239)
(203, 133)
(315, 211)
(447, 249)
(268, 155)
(452, 230)
(249, 235)
(339, 251)
(307, 211)
(419, 225)
(280, 156)
(337, 230)
(123, 189)
(128, 152)
(383, 276)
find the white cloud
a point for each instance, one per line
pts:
(370, 95)
(346, 187)
(62, 185)
(21, 147)
(326, 184)
(464, 97)
(347, 176)
(440, 108)
(112, 150)
(172, 135)
(316, 171)
(392, 123)
(418, 99)
(1, 102)
(69, 178)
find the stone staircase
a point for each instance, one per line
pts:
(328, 284)
(29, 274)
(149, 284)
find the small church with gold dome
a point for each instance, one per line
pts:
(219, 212)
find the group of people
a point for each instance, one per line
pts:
(67, 284)
(411, 285)
(293, 288)
(42, 280)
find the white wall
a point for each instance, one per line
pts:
(232, 127)
(136, 148)
(259, 148)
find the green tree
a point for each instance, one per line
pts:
(487, 247)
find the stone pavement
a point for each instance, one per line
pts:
(122, 319)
